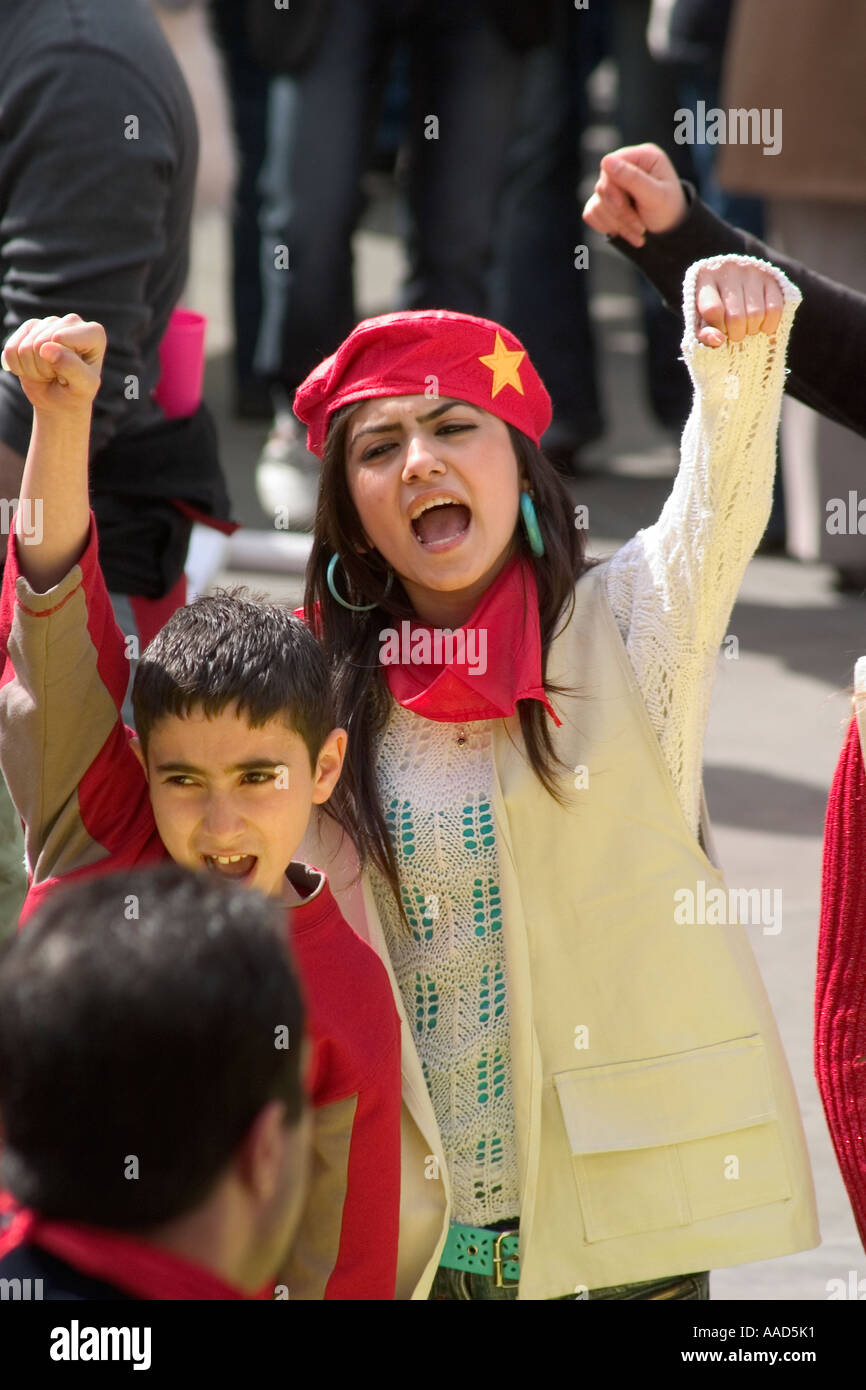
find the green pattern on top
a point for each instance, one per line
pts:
(491, 1076)
(484, 1000)
(486, 906)
(426, 1003)
(478, 826)
(398, 818)
(419, 908)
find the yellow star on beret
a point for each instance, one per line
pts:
(504, 364)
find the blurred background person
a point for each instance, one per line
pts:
(691, 36)
(189, 27)
(248, 80)
(669, 54)
(540, 281)
(165, 1158)
(811, 71)
(464, 66)
(648, 95)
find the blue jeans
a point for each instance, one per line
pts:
(455, 1284)
(321, 130)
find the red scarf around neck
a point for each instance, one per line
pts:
(132, 1265)
(478, 671)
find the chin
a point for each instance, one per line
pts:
(468, 577)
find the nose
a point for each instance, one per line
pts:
(421, 460)
(221, 821)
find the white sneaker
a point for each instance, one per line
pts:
(287, 476)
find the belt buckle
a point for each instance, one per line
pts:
(499, 1260)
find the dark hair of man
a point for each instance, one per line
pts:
(228, 649)
(139, 1038)
(351, 640)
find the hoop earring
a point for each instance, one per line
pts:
(530, 522)
(352, 607)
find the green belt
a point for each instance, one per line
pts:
(480, 1251)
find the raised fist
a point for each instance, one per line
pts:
(58, 362)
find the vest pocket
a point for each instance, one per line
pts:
(672, 1140)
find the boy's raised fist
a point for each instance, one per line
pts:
(58, 361)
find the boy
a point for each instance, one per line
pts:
(235, 746)
(181, 1173)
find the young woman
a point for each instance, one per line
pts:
(596, 1101)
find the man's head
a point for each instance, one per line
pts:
(150, 1067)
(234, 715)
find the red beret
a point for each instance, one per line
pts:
(432, 352)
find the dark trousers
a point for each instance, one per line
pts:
(540, 287)
(248, 83)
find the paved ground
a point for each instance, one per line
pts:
(778, 710)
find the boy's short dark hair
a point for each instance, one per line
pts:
(140, 1018)
(229, 649)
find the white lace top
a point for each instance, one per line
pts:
(671, 589)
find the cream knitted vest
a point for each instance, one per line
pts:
(434, 783)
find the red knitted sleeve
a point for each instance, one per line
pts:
(840, 994)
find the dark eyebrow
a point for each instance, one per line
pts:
(251, 765)
(422, 420)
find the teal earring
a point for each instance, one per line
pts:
(352, 607)
(530, 521)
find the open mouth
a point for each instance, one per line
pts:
(441, 524)
(233, 866)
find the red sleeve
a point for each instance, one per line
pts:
(346, 1243)
(840, 995)
(65, 752)
(366, 1266)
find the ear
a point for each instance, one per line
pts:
(329, 765)
(259, 1158)
(135, 745)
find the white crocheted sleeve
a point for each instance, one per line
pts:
(673, 585)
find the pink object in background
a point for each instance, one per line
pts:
(181, 359)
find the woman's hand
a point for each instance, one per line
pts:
(638, 191)
(736, 301)
(58, 362)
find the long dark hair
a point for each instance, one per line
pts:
(351, 641)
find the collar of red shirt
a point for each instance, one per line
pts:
(478, 671)
(132, 1265)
